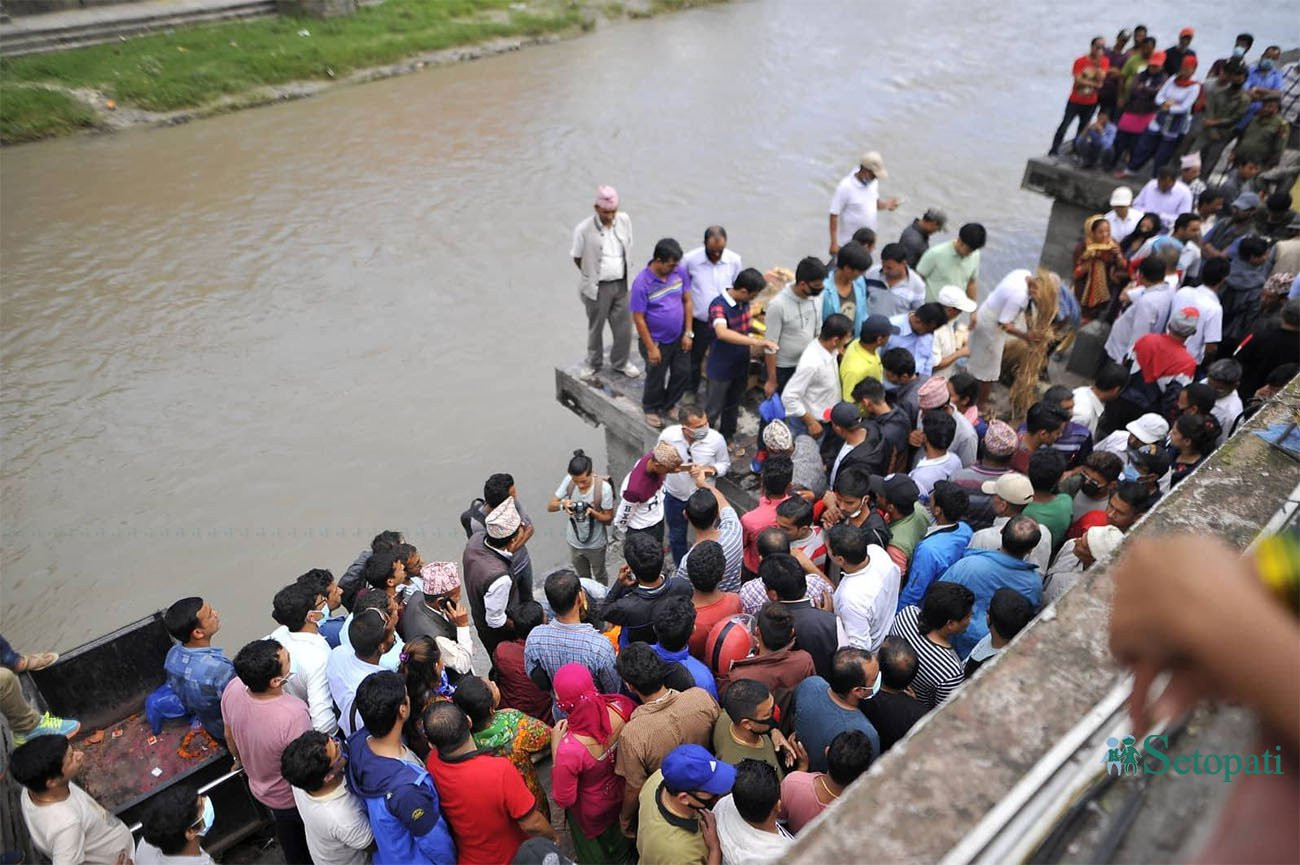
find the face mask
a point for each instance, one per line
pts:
(1266, 64)
(761, 727)
(322, 614)
(1130, 473)
(815, 290)
(209, 816)
(1239, 51)
(699, 434)
(875, 689)
(1091, 489)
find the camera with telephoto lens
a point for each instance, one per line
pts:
(579, 509)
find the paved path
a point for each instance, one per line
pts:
(75, 28)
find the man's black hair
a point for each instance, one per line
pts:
(1252, 247)
(797, 509)
(1106, 464)
(870, 390)
(1020, 535)
(257, 664)
(674, 621)
(898, 361)
(1167, 172)
(367, 633)
(771, 541)
(835, 326)
(1199, 394)
(894, 252)
(562, 589)
(810, 270)
(642, 668)
(853, 482)
(952, 500)
(714, 231)
(756, 791)
(445, 726)
(379, 699)
(496, 489)
(751, 280)
(775, 626)
(782, 573)
(853, 256)
(526, 615)
(847, 672)
(932, 314)
(1044, 416)
(378, 569)
(39, 761)
(898, 662)
(292, 604)
(1112, 375)
(973, 235)
(1152, 270)
(939, 427)
(305, 761)
(667, 250)
(182, 618)
(944, 602)
(743, 697)
(474, 699)
(385, 539)
(168, 817)
(1046, 465)
(1136, 495)
(319, 580)
(778, 471)
(702, 509)
(864, 236)
(1009, 612)
(708, 565)
(848, 756)
(644, 554)
(848, 541)
(1186, 219)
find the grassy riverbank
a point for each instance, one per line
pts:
(206, 69)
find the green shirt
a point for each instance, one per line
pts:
(1056, 515)
(663, 838)
(942, 265)
(728, 750)
(1263, 140)
(907, 532)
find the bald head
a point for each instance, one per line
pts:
(772, 540)
(1020, 535)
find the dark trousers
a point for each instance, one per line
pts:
(665, 382)
(723, 403)
(656, 531)
(1146, 148)
(1124, 143)
(1083, 113)
(783, 376)
(702, 333)
(675, 517)
(609, 307)
(292, 836)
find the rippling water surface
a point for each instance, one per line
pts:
(233, 350)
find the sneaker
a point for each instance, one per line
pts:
(587, 371)
(49, 726)
(630, 369)
(654, 420)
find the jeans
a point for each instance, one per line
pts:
(783, 376)
(1091, 152)
(1146, 148)
(1124, 143)
(675, 517)
(609, 306)
(8, 657)
(702, 332)
(665, 382)
(723, 403)
(1083, 113)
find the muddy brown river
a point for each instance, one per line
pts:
(235, 349)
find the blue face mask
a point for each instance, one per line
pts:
(209, 817)
(1239, 51)
(1130, 473)
(1266, 64)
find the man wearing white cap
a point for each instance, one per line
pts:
(1189, 172)
(1010, 494)
(1078, 555)
(951, 341)
(486, 566)
(1149, 429)
(1121, 216)
(857, 199)
(601, 244)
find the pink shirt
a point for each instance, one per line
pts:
(753, 523)
(586, 785)
(261, 730)
(799, 802)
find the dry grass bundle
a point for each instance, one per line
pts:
(1024, 391)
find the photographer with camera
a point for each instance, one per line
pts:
(588, 501)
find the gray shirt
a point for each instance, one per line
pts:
(792, 323)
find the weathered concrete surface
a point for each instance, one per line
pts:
(927, 793)
(1076, 194)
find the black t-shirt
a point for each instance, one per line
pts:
(892, 714)
(1268, 348)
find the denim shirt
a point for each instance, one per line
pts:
(198, 676)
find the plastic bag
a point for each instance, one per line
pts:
(161, 706)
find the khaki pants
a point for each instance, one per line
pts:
(590, 564)
(18, 712)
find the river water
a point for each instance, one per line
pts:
(235, 349)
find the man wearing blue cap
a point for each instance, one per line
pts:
(675, 825)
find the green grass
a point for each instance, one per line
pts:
(193, 67)
(29, 113)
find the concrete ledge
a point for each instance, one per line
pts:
(932, 788)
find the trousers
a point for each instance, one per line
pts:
(609, 307)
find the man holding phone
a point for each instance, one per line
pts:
(435, 611)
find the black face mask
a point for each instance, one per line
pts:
(1091, 488)
(762, 726)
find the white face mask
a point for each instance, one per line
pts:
(875, 688)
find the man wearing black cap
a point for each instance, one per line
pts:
(861, 445)
(916, 237)
(897, 496)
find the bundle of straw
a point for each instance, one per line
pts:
(1024, 390)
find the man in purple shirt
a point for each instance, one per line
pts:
(661, 311)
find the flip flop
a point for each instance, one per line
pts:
(39, 662)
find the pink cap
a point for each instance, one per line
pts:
(934, 393)
(607, 198)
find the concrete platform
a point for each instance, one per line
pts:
(78, 28)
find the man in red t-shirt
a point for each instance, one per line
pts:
(1089, 73)
(484, 799)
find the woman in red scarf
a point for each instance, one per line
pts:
(583, 782)
(1099, 267)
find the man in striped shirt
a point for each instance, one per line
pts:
(714, 519)
(944, 612)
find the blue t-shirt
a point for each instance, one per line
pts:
(662, 302)
(818, 720)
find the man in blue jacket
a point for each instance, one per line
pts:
(944, 543)
(986, 571)
(399, 794)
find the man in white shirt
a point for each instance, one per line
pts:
(309, 654)
(697, 444)
(1090, 400)
(815, 386)
(348, 666)
(1122, 216)
(65, 824)
(748, 832)
(1223, 377)
(1148, 312)
(1166, 196)
(172, 825)
(857, 199)
(336, 822)
(867, 596)
(713, 270)
(601, 246)
(1209, 330)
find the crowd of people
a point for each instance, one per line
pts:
(705, 682)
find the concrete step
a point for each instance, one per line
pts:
(59, 32)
